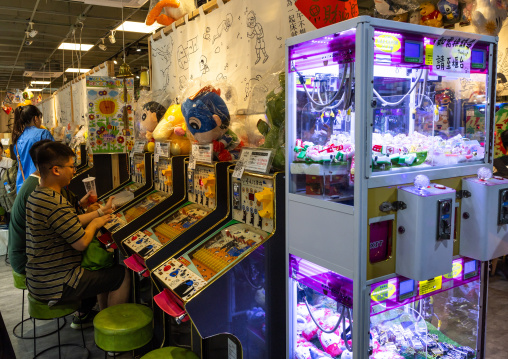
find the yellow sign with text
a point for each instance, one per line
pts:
(431, 285)
(429, 51)
(456, 271)
(383, 292)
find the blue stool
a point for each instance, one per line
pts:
(40, 310)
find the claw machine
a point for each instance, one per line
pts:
(167, 191)
(389, 181)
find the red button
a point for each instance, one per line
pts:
(134, 238)
(439, 186)
(166, 268)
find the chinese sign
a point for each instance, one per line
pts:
(111, 130)
(452, 55)
(327, 12)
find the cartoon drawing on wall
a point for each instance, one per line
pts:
(206, 35)
(249, 85)
(166, 75)
(203, 67)
(221, 76)
(182, 81)
(217, 49)
(165, 51)
(182, 54)
(257, 32)
(183, 59)
(223, 26)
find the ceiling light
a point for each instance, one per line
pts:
(137, 77)
(115, 62)
(28, 42)
(138, 49)
(102, 46)
(40, 82)
(132, 26)
(75, 47)
(36, 90)
(71, 69)
(111, 37)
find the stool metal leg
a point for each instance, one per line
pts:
(59, 346)
(35, 340)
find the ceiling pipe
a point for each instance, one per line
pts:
(22, 42)
(48, 12)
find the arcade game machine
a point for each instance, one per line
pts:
(205, 207)
(139, 182)
(228, 284)
(391, 207)
(168, 190)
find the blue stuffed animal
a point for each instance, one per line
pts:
(450, 11)
(207, 118)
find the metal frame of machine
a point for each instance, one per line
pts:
(343, 243)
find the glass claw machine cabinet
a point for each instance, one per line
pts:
(392, 212)
(230, 282)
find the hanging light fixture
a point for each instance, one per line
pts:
(125, 69)
(111, 37)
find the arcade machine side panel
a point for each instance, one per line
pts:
(245, 301)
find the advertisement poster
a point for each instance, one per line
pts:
(110, 129)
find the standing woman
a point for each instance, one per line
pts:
(25, 132)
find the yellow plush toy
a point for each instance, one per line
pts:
(430, 15)
(172, 128)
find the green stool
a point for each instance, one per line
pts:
(170, 353)
(123, 327)
(19, 283)
(40, 310)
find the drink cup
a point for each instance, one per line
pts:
(89, 183)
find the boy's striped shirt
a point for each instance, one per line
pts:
(52, 225)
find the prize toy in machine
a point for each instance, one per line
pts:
(172, 128)
(425, 185)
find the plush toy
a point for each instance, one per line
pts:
(415, 17)
(450, 11)
(207, 118)
(7, 109)
(430, 15)
(467, 12)
(172, 128)
(274, 129)
(152, 113)
(401, 17)
(395, 7)
(489, 16)
(173, 10)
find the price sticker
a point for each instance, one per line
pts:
(259, 160)
(164, 149)
(192, 158)
(240, 165)
(431, 285)
(203, 153)
(139, 146)
(156, 158)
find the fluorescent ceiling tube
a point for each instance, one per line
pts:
(75, 47)
(40, 82)
(133, 26)
(70, 69)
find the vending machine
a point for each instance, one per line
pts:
(230, 282)
(392, 212)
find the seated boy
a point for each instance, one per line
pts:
(55, 239)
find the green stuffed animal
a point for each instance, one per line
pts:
(274, 129)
